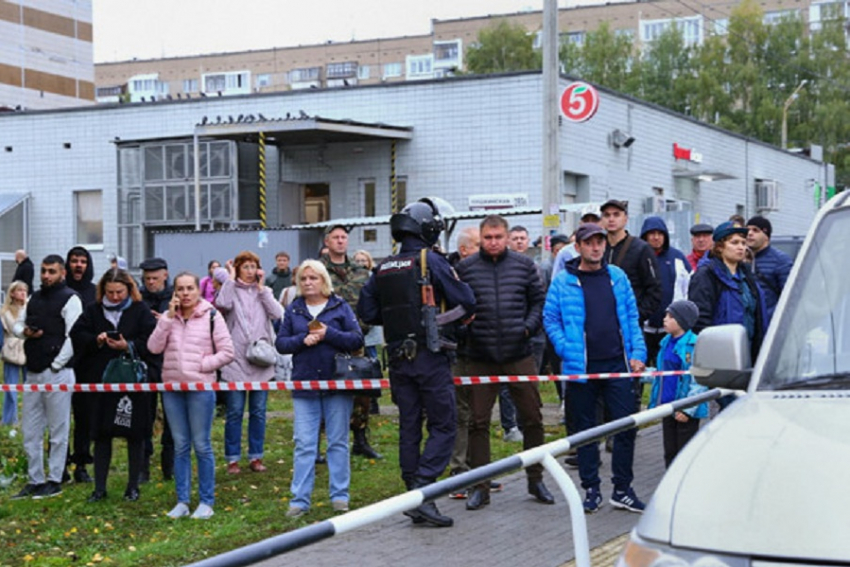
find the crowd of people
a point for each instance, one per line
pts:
(601, 300)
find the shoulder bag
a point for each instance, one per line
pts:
(126, 369)
(260, 352)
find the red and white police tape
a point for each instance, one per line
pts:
(316, 384)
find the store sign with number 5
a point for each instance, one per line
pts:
(579, 102)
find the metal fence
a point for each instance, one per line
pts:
(544, 454)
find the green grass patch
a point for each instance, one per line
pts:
(67, 530)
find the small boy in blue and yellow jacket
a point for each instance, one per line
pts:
(676, 353)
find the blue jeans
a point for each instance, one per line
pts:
(190, 415)
(256, 424)
(507, 409)
(12, 375)
(619, 397)
(309, 411)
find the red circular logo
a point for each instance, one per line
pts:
(579, 102)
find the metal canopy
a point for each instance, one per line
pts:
(298, 131)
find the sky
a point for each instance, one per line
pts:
(151, 29)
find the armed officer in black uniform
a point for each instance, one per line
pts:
(403, 295)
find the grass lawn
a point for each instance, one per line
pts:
(67, 530)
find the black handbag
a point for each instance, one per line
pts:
(349, 367)
(126, 369)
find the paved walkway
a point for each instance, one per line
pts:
(513, 530)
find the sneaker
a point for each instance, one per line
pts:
(572, 462)
(48, 490)
(182, 509)
(202, 512)
(592, 501)
(257, 465)
(459, 495)
(513, 435)
(28, 491)
(340, 505)
(233, 467)
(496, 486)
(627, 500)
(295, 512)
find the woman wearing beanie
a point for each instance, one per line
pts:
(725, 290)
(676, 353)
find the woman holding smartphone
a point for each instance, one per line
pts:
(118, 321)
(195, 343)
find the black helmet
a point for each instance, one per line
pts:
(421, 219)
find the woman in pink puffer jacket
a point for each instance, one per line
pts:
(196, 343)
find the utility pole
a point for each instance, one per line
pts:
(785, 108)
(551, 177)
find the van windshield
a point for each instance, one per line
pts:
(812, 343)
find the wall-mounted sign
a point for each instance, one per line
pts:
(686, 154)
(579, 102)
(486, 202)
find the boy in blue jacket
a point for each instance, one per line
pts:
(676, 353)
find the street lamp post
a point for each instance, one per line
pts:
(785, 108)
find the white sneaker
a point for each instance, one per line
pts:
(203, 512)
(182, 509)
(513, 435)
(339, 505)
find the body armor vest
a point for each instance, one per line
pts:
(398, 284)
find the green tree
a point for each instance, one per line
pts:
(503, 47)
(605, 58)
(667, 72)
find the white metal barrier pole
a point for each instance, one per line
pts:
(581, 542)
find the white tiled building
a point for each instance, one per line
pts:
(110, 176)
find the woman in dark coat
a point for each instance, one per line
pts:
(725, 290)
(104, 331)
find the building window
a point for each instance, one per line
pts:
(773, 18)
(420, 66)
(447, 53)
(213, 83)
(392, 70)
(363, 72)
(691, 29)
(401, 191)
(369, 202)
(576, 38)
(89, 213)
(264, 80)
(190, 85)
(343, 70)
(305, 74)
(721, 26)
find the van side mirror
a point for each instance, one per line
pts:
(722, 358)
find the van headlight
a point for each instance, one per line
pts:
(641, 553)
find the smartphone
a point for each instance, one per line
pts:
(114, 335)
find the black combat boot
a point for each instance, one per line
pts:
(361, 446)
(427, 512)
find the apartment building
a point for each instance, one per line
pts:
(46, 55)
(438, 54)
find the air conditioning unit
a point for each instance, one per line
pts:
(677, 206)
(655, 204)
(767, 195)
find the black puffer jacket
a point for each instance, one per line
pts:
(509, 305)
(641, 265)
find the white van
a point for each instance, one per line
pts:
(767, 482)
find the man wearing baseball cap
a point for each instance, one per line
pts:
(589, 214)
(599, 343)
(771, 266)
(700, 243)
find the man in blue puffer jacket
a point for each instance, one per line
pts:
(655, 233)
(591, 317)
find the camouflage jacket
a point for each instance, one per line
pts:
(347, 279)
